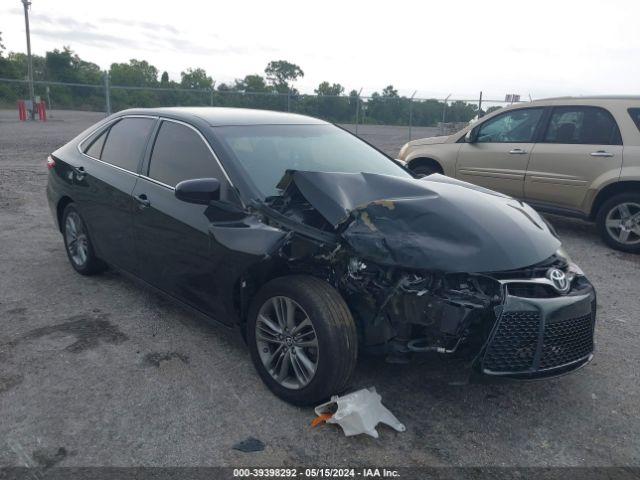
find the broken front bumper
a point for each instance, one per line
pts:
(541, 337)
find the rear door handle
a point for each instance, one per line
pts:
(143, 201)
(601, 153)
(517, 151)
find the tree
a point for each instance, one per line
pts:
(281, 72)
(252, 83)
(164, 79)
(196, 79)
(390, 92)
(329, 89)
(66, 66)
(1, 45)
(136, 73)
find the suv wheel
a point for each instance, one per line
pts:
(78, 244)
(302, 339)
(619, 222)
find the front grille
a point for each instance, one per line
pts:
(514, 345)
(518, 342)
(567, 341)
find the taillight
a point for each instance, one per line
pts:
(50, 162)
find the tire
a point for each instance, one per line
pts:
(332, 325)
(425, 170)
(78, 244)
(613, 212)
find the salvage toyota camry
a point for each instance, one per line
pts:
(318, 246)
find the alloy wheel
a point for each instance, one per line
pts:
(76, 237)
(287, 342)
(623, 223)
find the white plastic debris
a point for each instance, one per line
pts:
(359, 412)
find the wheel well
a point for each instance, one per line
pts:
(425, 161)
(611, 190)
(62, 204)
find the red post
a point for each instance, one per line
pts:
(42, 111)
(22, 110)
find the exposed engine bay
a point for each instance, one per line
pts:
(424, 265)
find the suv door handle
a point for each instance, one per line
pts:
(143, 201)
(517, 151)
(601, 153)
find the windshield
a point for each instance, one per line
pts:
(267, 151)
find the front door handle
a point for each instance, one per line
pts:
(517, 151)
(601, 153)
(143, 201)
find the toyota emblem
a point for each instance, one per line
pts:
(559, 280)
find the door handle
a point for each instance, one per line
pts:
(143, 201)
(601, 153)
(517, 151)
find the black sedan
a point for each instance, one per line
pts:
(317, 246)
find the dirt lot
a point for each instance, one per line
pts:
(97, 371)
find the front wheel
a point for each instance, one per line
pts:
(618, 221)
(302, 339)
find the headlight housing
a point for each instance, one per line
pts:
(572, 267)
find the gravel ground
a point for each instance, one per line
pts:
(97, 371)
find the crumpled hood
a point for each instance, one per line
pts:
(429, 140)
(434, 223)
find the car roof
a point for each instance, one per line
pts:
(222, 116)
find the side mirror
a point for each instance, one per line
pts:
(201, 191)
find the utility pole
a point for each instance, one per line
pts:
(27, 5)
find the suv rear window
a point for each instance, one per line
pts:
(635, 116)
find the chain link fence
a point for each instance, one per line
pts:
(440, 116)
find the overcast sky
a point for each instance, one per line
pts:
(537, 47)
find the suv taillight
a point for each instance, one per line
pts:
(50, 162)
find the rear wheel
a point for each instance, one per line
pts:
(618, 221)
(78, 244)
(302, 339)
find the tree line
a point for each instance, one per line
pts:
(273, 90)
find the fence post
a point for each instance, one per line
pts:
(358, 109)
(107, 94)
(444, 114)
(411, 113)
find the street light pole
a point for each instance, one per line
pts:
(27, 4)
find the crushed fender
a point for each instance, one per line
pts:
(358, 412)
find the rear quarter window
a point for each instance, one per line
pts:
(635, 116)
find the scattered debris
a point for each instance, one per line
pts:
(357, 412)
(249, 445)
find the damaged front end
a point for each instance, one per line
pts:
(436, 265)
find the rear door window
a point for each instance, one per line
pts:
(582, 125)
(126, 141)
(635, 116)
(179, 153)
